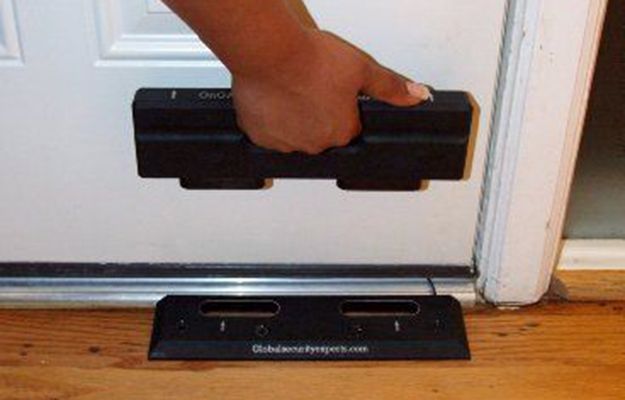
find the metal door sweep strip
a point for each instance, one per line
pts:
(142, 285)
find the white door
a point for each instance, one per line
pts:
(69, 187)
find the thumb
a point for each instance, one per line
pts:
(390, 87)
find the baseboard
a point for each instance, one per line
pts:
(591, 254)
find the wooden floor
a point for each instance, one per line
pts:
(590, 285)
(550, 351)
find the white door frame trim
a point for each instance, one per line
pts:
(545, 80)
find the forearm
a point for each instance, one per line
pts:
(247, 35)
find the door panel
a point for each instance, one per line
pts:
(70, 191)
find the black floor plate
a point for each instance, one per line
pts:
(308, 328)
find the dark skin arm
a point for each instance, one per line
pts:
(295, 87)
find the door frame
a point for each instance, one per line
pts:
(545, 81)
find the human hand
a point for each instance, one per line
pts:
(308, 102)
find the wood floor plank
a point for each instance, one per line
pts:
(550, 351)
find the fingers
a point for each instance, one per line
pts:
(339, 138)
(265, 141)
(309, 136)
(270, 144)
(351, 130)
(274, 143)
(388, 86)
(341, 134)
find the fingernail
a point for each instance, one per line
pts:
(419, 91)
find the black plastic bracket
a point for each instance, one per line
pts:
(308, 328)
(192, 135)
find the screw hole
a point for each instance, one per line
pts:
(182, 325)
(262, 331)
